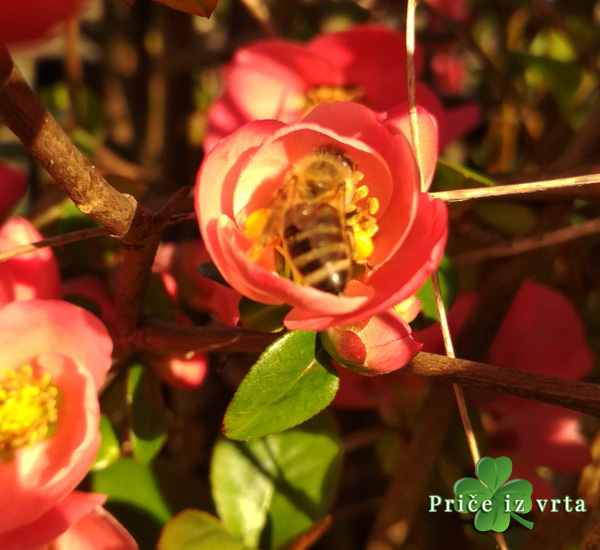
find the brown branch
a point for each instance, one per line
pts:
(519, 246)
(513, 190)
(166, 336)
(29, 120)
(134, 274)
(571, 394)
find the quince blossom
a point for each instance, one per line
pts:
(284, 80)
(245, 171)
(54, 358)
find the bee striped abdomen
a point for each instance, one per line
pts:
(316, 242)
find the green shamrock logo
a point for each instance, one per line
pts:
(494, 500)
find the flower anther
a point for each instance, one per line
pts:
(28, 408)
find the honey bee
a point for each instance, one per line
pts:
(315, 223)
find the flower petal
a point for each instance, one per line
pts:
(398, 121)
(29, 328)
(216, 181)
(542, 334)
(371, 57)
(274, 76)
(97, 530)
(53, 523)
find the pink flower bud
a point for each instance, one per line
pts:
(375, 346)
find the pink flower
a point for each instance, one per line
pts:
(54, 358)
(30, 19)
(179, 262)
(242, 176)
(97, 530)
(284, 80)
(13, 185)
(33, 275)
(375, 346)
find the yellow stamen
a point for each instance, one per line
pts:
(363, 245)
(373, 205)
(28, 408)
(329, 94)
(360, 193)
(256, 223)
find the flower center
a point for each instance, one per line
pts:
(28, 408)
(320, 225)
(329, 94)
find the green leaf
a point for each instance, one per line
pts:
(493, 471)
(291, 381)
(310, 536)
(450, 176)
(135, 496)
(203, 8)
(149, 415)
(210, 271)
(273, 489)
(512, 220)
(448, 286)
(242, 487)
(562, 78)
(196, 530)
(265, 317)
(110, 450)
